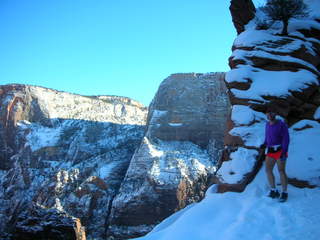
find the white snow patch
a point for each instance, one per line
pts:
(23, 124)
(245, 55)
(105, 170)
(156, 114)
(175, 124)
(245, 115)
(58, 205)
(41, 136)
(269, 83)
(304, 156)
(265, 40)
(296, 24)
(176, 160)
(317, 114)
(241, 163)
(252, 135)
(170, 220)
(248, 215)
(252, 38)
(154, 152)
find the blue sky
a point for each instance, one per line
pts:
(111, 47)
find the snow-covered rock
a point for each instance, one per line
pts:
(178, 155)
(270, 69)
(65, 153)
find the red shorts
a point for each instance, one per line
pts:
(275, 155)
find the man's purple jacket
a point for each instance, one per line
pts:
(277, 134)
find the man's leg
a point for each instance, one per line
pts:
(283, 176)
(270, 162)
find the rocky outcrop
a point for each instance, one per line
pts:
(74, 166)
(270, 70)
(242, 11)
(185, 106)
(66, 153)
(37, 223)
(178, 155)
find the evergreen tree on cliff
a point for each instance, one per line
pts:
(284, 10)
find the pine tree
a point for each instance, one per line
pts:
(284, 10)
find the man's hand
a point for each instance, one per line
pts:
(283, 156)
(263, 145)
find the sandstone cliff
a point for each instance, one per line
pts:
(66, 153)
(178, 155)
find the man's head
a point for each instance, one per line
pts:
(271, 114)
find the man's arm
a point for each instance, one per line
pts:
(264, 144)
(285, 138)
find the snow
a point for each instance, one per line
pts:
(248, 215)
(304, 160)
(63, 105)
(245, 115)
(23, 124)
(105, 170)
(269, 83)
(241, 163)
(156, 114)
(177, 159)
(58, 205)
(252, 135)
(41, 136)
(282, 44)
(253, 37)
(154, 152)
(244, 55)
(317, 114)
(175, 124)
(296, 24)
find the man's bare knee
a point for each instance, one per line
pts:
(282, 172)
(269, 170)
(281, 167)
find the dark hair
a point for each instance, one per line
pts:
(271, 109)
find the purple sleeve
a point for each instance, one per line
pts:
(285, 138)
(265, 135)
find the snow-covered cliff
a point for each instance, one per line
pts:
(178, 155)
(63, 152)
(73, 165)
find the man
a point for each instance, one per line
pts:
(276, 142)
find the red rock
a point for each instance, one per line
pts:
(242, 11)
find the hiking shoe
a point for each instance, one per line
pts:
(274, 194)
(283, 197)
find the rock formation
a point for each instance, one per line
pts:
(63, 153)
(76, 167)
(242, 11)
(269, 69)
(177, 156)
(38, 223)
